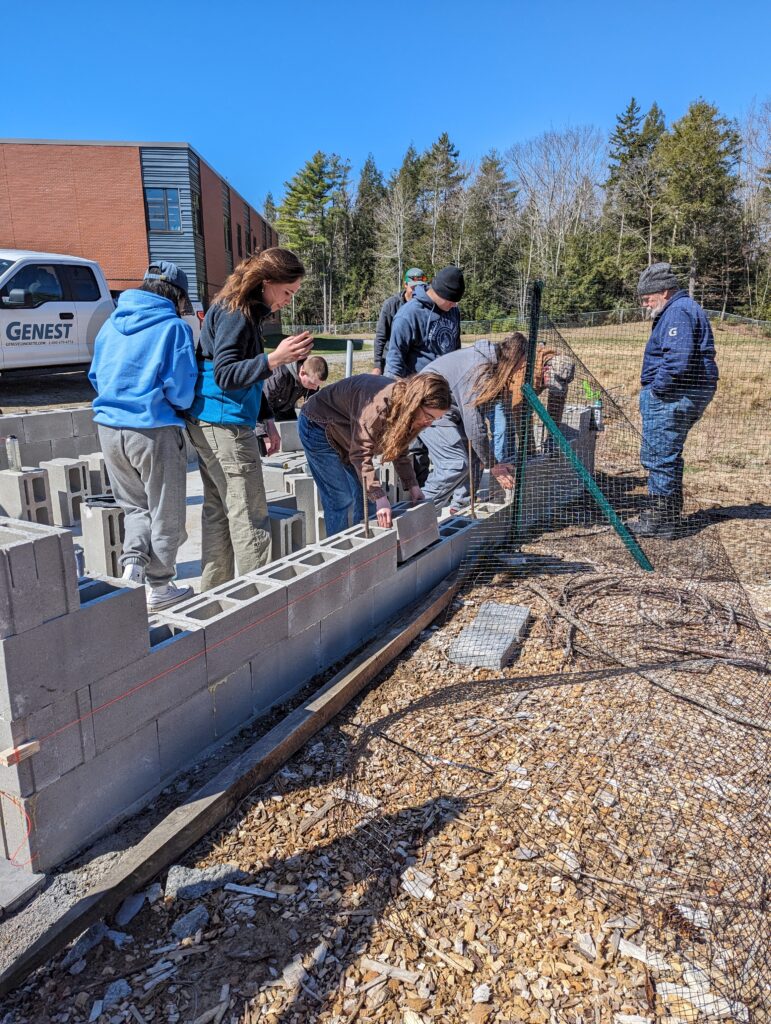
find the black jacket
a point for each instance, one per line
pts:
(280, 393)
(391, 307)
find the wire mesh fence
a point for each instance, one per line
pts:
(596, 706)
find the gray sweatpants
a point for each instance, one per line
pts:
(147, 471)
(234, 521)
(448, 481)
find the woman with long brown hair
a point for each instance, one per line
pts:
(345, 425)
(486, 384)
(232, 366)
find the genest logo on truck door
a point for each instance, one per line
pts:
(17, 332)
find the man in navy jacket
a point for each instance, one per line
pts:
(679, 377)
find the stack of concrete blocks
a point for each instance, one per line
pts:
(287, 530)
(120, 704)
(391, 484)
(102, 538)
(69, 485)
(24, 494)
(59, 433)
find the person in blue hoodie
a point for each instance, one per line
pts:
(144, 373)
(232, 366)
(679, 378)
(428, 326)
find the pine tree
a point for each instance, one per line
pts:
(441, 179)
(360, 278)
(625, 141)
(269, 211)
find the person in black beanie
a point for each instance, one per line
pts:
(428, 326)
(425, 328)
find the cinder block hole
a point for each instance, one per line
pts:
(39, 489)
(249, 590)
(77, 501)
(91, 590)
(41, 516)
(317, 558)
(289, 572)
(161, 633)
(74, 478)
(115, 566)
(448, 531)
(209, 610)
(297, 534)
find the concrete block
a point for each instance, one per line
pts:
(307, 498)
(87, 444)
(460, 531)
(316, 582)
(273, 477)
(140, 691)
(68, 485)
(64, 448)
(416, 528)
(241, 619)
(286, 668)
(12, 425)
(83, 421)
(505, 618)
(434, 564)
(44, 664)
(98, 477)
(370, 560)
(45, 426)
(85, 802)
(476, 647)
(17, 886)
(348, 628)
(579, 417)
(232, 701)
(65, 731)
(38, 580)
(25, 495)
(34, 452)
(391, 483)
(395, 594)
(287, 530)
(290, 438)
(185, 731)
(279, 499)
(103, 533)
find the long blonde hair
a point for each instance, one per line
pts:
(244, 286)
(493, 378)
(424, 389)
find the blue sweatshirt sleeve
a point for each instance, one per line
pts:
(181, 368)
(233, 339)
(402, 331)
(677, 343)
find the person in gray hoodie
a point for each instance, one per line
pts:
(478, 377)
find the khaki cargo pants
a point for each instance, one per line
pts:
(235, 531)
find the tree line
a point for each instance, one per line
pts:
(582, 212)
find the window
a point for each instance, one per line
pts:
(197, 214)
(239, 243)
(82, 283)
(228, 236)
(248, 241)
(163, 209)
(254, 244)
(32, 286)
(5, 264)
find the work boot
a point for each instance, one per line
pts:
(660, 519)
(166, 595)
(134, 572)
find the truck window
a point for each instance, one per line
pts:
(5, 264)
(82, 282)
(31, 286)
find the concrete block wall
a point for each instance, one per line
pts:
(58, 433)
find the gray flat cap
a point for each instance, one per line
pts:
(657, 278)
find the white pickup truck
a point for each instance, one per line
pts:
(51, 309)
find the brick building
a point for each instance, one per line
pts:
(125, 204)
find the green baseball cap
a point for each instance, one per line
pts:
(415, 276)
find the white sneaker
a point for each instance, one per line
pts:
(134, 573)
(166, 595)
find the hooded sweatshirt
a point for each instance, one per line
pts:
(460, 369)
(144, 368)
(680, 354)
(420, 333)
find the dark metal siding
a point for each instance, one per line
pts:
(172, 168)
(227, 219)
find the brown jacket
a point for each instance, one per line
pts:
(354, 412)
(542, 356)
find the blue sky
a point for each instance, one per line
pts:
(258, 87)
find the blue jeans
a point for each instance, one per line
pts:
(665, 426)
(338, 483)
